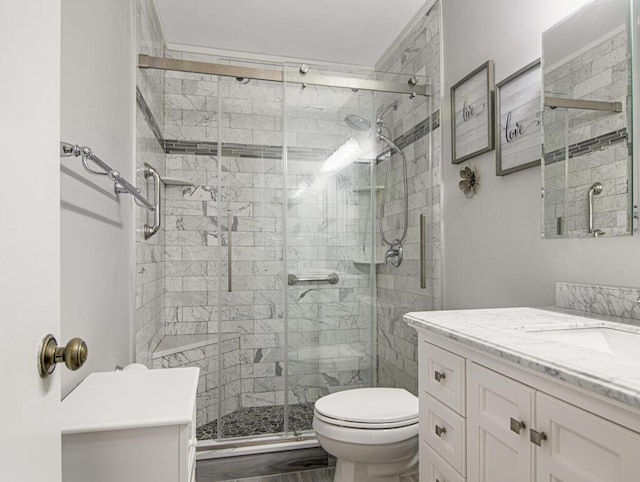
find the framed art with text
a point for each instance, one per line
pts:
(519, 120)
(472, 124)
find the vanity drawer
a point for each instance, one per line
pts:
(445, 431)
(433, 468)
(442, 375)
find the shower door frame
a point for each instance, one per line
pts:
(301, 77)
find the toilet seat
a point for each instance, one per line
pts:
(369, 408)
(363, 436)
(364, 425)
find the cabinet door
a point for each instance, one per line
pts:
(582, 447)
(498, 451)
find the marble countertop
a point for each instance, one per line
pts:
(513, 334)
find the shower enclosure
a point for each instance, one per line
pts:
(271, 234)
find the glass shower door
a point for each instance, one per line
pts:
(251, 293)
(330, 326)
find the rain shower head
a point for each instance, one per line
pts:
(357, 123)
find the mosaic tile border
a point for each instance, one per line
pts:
(149, 117)
(204, 148)
(420, 130)
(587, 147)
(258, 151)
(229, 149)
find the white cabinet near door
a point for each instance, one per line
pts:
(131, 426)
(499, 414)
(581, 447)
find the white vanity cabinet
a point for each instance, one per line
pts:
(131, 426)
(500, 415)
(505, 419)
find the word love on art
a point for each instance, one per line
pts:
(469, 110)
(514, 130)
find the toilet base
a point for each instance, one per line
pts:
(372, 463)
(347, 471)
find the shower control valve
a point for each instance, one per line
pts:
(394, 253)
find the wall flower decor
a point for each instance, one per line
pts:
(469, 183)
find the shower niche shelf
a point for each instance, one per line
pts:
(366, 262)
(367, 190)
(174, 181)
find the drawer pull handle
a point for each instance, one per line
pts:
(439, 376)
(440, 431)
(517, 425)
(537, 437)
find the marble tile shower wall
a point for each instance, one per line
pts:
(150, 271)
(398, 289)
(598, 147)
(329, 327)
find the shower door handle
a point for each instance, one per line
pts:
(229, 247)
(423, 245)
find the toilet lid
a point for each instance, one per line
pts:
(369, 405)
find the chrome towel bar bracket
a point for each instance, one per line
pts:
(332, 278)
(120, 184)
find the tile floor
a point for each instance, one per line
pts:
(306, 465)
(318, 475)
(255, 467)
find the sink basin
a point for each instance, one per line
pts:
(617, 342)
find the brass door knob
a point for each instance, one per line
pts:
(73, 355)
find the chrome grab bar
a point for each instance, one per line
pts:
(149, 171)
(121, 185)
(333, 278)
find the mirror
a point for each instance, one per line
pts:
(586, 123)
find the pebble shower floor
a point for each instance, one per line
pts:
(246, 422)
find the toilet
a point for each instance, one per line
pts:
(372, 432)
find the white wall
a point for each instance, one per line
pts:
(494, 255)
(98, 101)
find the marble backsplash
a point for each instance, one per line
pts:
(604, 300)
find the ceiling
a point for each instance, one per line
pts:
(355, 32)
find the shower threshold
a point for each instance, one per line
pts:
(261, 444)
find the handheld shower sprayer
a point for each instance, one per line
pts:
(357, 123)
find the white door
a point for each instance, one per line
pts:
(29, 236)
(500, 411)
